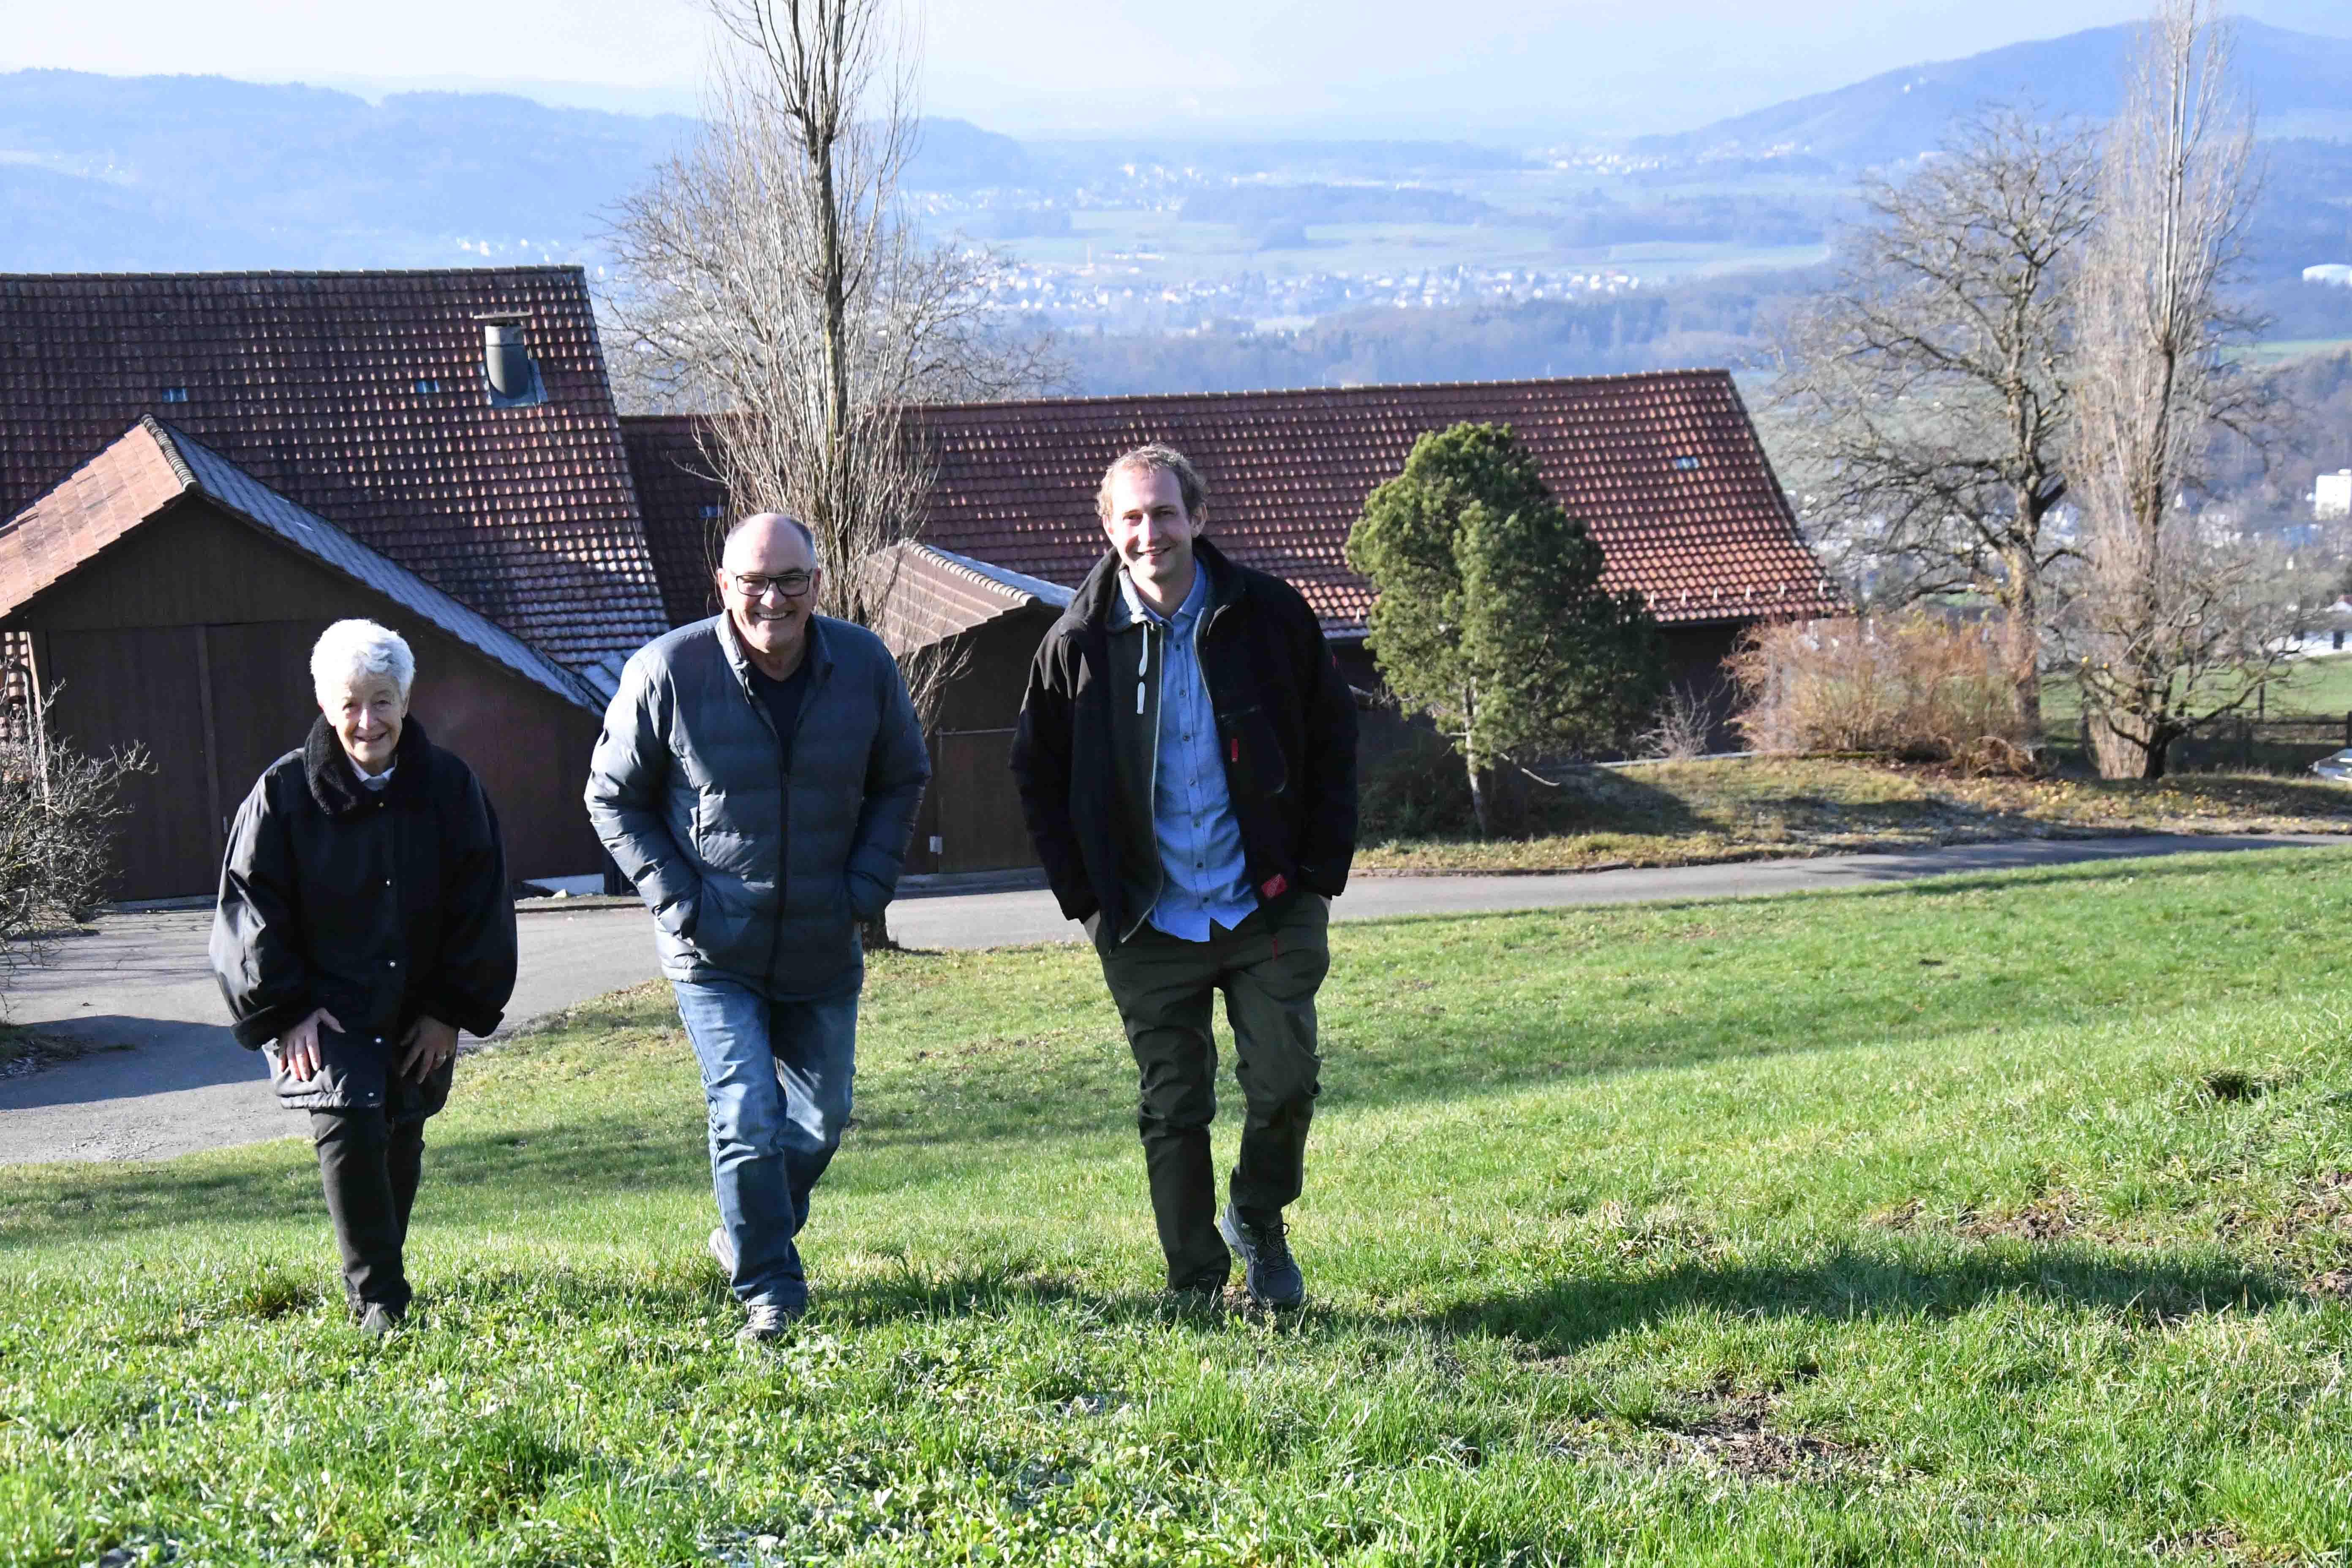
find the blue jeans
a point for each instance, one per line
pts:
(776, 1077)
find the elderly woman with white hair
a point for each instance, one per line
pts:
(363, 922)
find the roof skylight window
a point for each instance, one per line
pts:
(175, 395)
(427, 386)
(711, 511)
(1686, 463)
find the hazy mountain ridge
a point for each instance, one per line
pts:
(187, 172)
(1515, 262)
(2300, 82)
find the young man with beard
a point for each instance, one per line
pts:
(1187, 765)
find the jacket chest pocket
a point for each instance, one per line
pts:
(1254, 759)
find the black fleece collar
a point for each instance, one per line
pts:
(337, 788)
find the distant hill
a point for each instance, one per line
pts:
(2300, 84)
(105, 174)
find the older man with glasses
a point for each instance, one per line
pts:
(757, 779)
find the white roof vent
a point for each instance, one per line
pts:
(508, 368)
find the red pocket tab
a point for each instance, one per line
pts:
(1275, 886)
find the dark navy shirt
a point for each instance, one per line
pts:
(782, 701)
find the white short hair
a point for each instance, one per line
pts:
(350, 650)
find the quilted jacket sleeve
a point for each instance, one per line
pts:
(627, 777)
(897, 769)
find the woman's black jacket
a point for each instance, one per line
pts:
(380, 906)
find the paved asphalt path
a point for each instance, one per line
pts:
(162, 1076)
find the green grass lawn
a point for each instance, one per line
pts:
(2320, 687)
(1996, 1219)
(1679, 813)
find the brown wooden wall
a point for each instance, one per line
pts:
(192, 635)
(971, 807)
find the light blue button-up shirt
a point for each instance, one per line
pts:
(1207, 877)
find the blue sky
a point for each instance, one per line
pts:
(1361, 68)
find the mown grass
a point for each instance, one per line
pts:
(1675, 814)
(1992, 1219)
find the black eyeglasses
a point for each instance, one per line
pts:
(791, 584)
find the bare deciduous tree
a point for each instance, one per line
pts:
(2171, 630)
(770, 279)
(1925, 400)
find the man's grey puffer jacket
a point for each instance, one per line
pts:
(750, 876)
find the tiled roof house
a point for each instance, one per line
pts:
(200, 471)
(443, 447)
(1664, 467)
(365, 397)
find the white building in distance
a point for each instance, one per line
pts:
(2332, 495)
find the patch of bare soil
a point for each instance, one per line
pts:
(1734, 1433)
(2217, 1544)
(2050, 1218)
(2311, 1232)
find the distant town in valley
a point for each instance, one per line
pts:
(1170, 266)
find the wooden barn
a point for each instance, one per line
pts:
(166, 598)
(1665, 469)
(202, 470)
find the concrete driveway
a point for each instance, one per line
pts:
(164, 1076)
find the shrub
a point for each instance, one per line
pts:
(1681, 725)
(1917, 686)
(58, 811)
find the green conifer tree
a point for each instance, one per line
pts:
(1491, 618)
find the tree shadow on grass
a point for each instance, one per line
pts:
(1847, 1284)
(530, 1169)
(1843, 1285)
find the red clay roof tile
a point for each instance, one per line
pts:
(360, 396)
(1662, 467)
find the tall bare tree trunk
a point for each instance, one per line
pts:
(2170, 635)
(2021, 637)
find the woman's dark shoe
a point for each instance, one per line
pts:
(1268, 1271)
(379, 1320)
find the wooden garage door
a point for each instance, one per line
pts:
(143, 684)
(262, 705)
(980, 811)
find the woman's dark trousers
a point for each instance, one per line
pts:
(369, 1163)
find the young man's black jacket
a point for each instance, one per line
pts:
(1286, 729)
(380, 906)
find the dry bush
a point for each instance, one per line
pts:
(1916, 686)
(1681, 726)
(58, 808)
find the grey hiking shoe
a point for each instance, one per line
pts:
(378, 1321)
(1268, 1271)
(765, 1321)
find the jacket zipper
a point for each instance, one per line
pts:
(1150, 784)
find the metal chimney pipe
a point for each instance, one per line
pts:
(504, 358)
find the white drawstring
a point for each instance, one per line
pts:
(1142, 664)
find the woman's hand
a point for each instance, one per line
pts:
(298, 1048)
(428, 1043)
